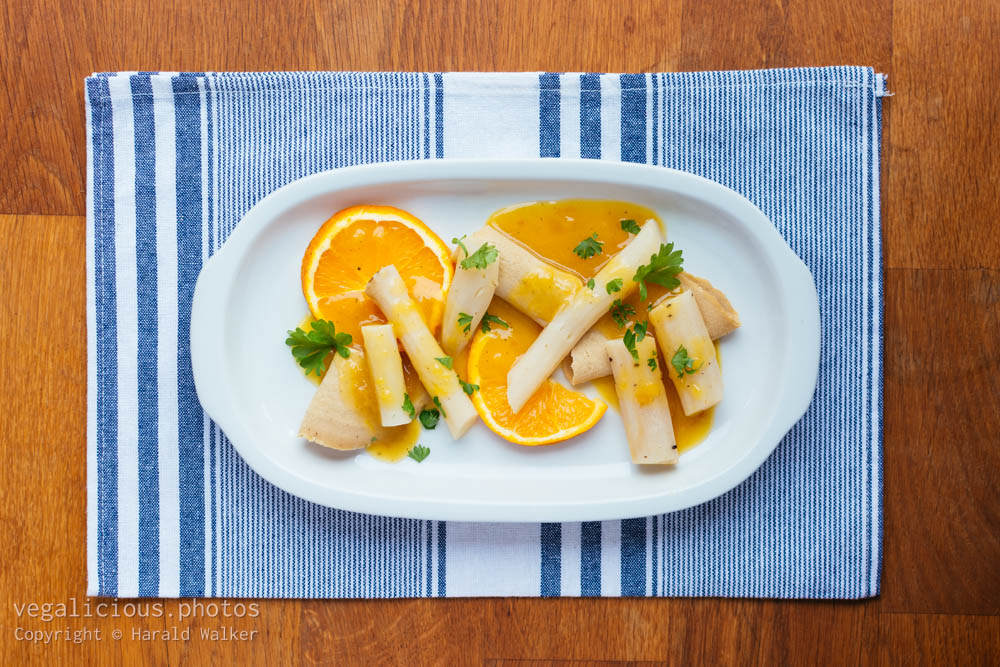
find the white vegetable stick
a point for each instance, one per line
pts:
(388, 290)
(575, 319)
(470, 293)
(679, 322)
(534, 287)
(643, 402)
(386, 368)
(588, 359)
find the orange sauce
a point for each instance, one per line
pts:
(551, 229)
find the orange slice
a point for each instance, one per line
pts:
(552, 414)
(358, 241)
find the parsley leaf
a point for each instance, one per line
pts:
(590, 284)
(651, 362)
(408, 406)
(467, 387)
(629, 340)
(614, 286)
(640, 330)
(620, 312)
(419, 453)
(444, 361)
(487, 319)
(682, 363)
(663, 267)
(437, 402)
(589, 247)
(429, 418)
(486, 255)
(310, 349)
(458, 241)
(465, 321)
(631, 226)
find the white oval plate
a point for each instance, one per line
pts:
(248, 295)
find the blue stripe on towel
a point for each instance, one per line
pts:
(548, 115)
(106, 343)
(439, 115)
(427, 551)
(633, 554)
(590, 558)
(633, 117)
(427, 116)
(442, 557)
(551, 556)
(146, 363)
(190, 418)
(590, 116)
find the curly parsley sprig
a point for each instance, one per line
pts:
(485, 255)
(663, 267)
(310, 348)
(589, 247)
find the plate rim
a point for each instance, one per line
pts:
(214, 286)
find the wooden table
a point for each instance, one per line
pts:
(941, 185)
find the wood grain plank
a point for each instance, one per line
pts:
(679, 631)
(942, 464)
(392, 632)
(943, 136)
(786, 34)
(935, 639)
(573, 663)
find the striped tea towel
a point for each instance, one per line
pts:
(175, 160)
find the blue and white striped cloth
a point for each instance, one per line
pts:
(175, 160)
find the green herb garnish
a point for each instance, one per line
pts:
(651, 362)
(620, 312)
(437, 402)
(444, 361)
(458, 241)
(419, 453)
(614, 286)
(589, 247)
(590, 284)
(682, 363)
(663, 267)
(640, 329)
(408, 406)
(487, 319)
(467, 387)
(483, 257)
(465, 321)
(429, 418)
(310, 349)
(629, 340)
(631, 226)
